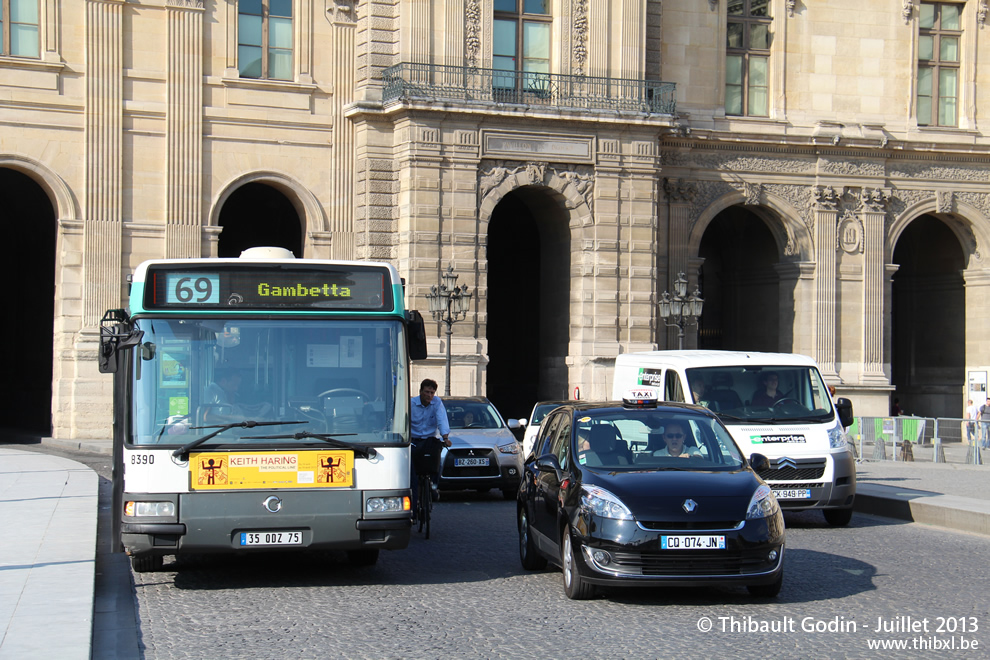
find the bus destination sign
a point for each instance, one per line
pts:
(226, 286)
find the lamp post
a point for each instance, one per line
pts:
(681, 309)
(448, 304)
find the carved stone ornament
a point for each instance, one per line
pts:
(491, 177)
(713, 4)
(752, 192)
(536, 172)
(342, 10)
(679, 190)
(850, 234)
(981, 13)
(790, 7)
(191, 4)
(907, 10)
(582, 181)
(944, 201)
(826, 198)
(472, 30)
(580, 36)
(580, 177)
(875, 200)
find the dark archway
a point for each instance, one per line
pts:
(258, 215)
(928, 320)
(528, 303)
(739, 284)
(29, 227)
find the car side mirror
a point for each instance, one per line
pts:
(548, 463)
(759, 462)
(845, 409)
(523, 421)
(513, 424)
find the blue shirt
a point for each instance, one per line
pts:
(424, 420)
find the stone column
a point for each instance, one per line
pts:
(826, 221)
(875, 299)
(340, 208)
(184, 130)
(797, 305)
(678, 195)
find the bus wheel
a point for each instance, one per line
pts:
(362, 557)
(147, 563)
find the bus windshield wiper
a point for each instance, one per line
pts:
(365, 452)
(182, 451)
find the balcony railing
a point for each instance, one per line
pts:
(436, 82)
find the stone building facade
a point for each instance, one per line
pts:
(823, 197)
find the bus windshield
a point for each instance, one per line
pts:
(342, 377)
(762, 394)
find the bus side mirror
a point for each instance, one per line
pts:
(416, 335)
(116, 333)
(845, 409)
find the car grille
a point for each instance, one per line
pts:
(689, 526)
(692, 562)
(449, 471)
(801, 470)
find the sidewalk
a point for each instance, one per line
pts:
(48, 506)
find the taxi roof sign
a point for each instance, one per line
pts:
(642, 397)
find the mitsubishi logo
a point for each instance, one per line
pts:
(786, 463)
(471, 452)
(689, 506)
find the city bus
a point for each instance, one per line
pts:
(261, 403)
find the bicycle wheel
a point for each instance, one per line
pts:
(425, 502)
(420, 506)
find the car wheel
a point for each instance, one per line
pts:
(147, 563)
(767, 590)
(838, 517)
(531, 559)
(509, 493)
(362, 557)
(574, 585)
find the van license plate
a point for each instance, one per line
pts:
(792, 494)
(271, 538)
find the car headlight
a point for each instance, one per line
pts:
(509, 448)
(837, 438)
(600, 502)
(763, 504)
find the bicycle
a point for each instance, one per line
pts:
(426, 461)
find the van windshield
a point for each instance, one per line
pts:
(762, 393)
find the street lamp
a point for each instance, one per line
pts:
(449, 304)
(681, 309)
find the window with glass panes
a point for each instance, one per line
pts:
(521, 42)
(939, 33)
(747, 58)
(19, 33)
(264, 39)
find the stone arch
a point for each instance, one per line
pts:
(66, 208)
(790, 233)
(969, 224)
(562, 185)
(308, 208)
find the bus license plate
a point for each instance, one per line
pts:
(470, 462)
(792, 494)
(692, 542)
(271, 538)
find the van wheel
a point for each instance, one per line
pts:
(147, 563)
(574, 585)
(838, 517)
(767, 590)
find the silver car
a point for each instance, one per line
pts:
(483, 454)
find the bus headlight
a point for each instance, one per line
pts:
(387, 504)
(154, 509)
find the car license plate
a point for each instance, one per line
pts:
(470, 462)
(792, 494)
(271, 538)
(692, 543)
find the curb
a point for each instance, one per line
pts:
(963, 514)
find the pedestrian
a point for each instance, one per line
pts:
(985, 425)
(427, 416)
(972, 412)
(895, 408)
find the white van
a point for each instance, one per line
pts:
(775, 404)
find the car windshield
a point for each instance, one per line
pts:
(639, 440)
(472, 414)
(762, 394)
(540, 411)
(264, 378)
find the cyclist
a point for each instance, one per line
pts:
(427, 416)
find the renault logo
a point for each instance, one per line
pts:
(689, 506)
(273, 504)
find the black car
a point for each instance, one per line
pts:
(613, 496)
